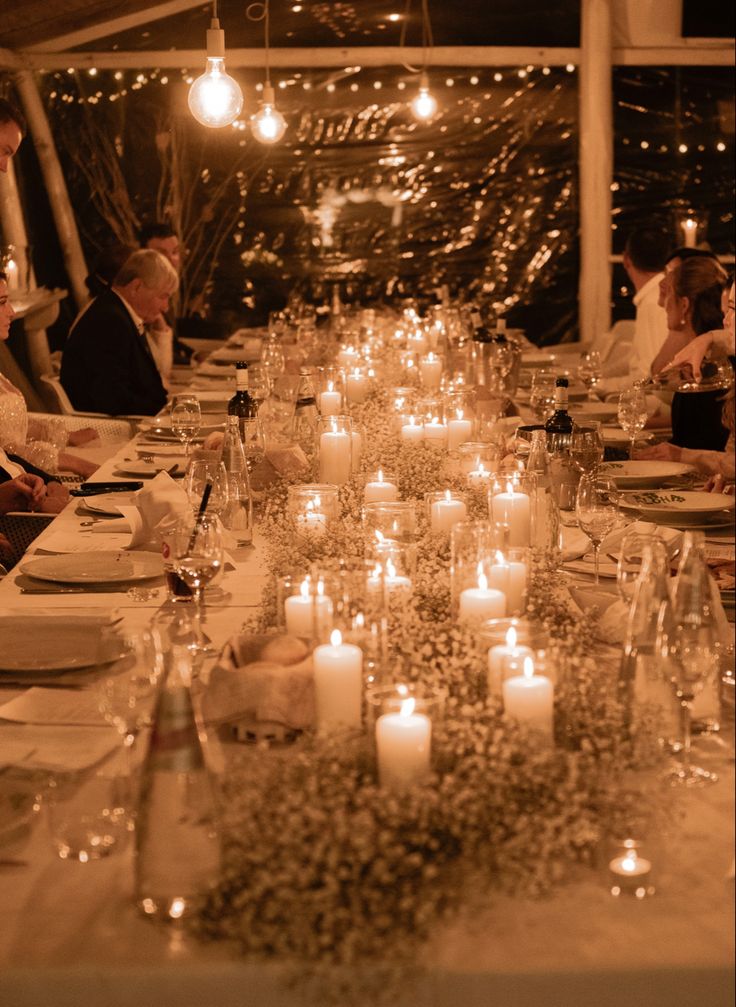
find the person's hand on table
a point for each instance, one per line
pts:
(56, 499)
(691, 356)
(718, 484)
(25, 493)
(79, 437)
(80, 466)
(664, 452)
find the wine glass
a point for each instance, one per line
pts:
(197, 555)
(590, 371)
(631, 556)
(200, 472)
(691, 655)
(542, 395)
(632, 413)
(586, 447)
(259, 383)
(597, 511)
(186, 419)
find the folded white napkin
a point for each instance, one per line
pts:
(575, 543)
(158, 507)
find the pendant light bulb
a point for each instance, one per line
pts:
(268, 124)
(424, 105)
(215, 99)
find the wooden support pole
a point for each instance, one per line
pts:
(66, 224)
(596, 169)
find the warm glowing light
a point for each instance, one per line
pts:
(380, 475)
(482, 579)
(304, 589)
(215, 99)
(511, 637)
(336, 638)
(448, 493)
(268, 124)
(407, 706)
(528, 667)
(424, 105)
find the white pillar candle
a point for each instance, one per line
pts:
(499, 658)
(380, 491)
(516, 587)
(347, 356)
(356, 386)
(404, 744)
(529, 698)
(385, 576)
(445, 513)
(481, 602)
(690, 228)
(430, 370)
(498, 575)
(412, 431)
(435, 433)
(312, 519)
(334, 457)
(356, 447)
(338, 684)
(480, 476)
(330, 401)
(513, 509)
(308, 614)
(458, 431)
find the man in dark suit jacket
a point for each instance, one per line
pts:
(107, 365)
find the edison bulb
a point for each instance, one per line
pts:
(215, 99)
(268, 124)
(424, 104)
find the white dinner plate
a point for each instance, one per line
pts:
(600, 411)
(678, 504)
(642, 474)
(111, 567)
(52, 644)
(146, 470)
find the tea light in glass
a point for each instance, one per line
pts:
(385, 578)
(481, 602)
(445, 510)
(630, 873)
(380, 488)
(413, 431)
(430, 370)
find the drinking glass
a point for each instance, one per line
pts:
(586, 447)
(542, 394)
(254, 442)
(590, 370)
(259, 383)
(631, 554)
(597, 511)
(197, 555)
(200, 472)
(632, 413)
(186, 418)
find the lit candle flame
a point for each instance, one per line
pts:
(482, 579)
(379, 536)
(304, 588)
(501, 561)
(380, 475)
(528, 667)
(511, 637)
(460, 413)
(510, 488)
(318, 501)
(310, 506)
(448, 494)
(336, 638)
(407, 706)
(390, 569)
(435, 419)
(330, 386)
(320, 587)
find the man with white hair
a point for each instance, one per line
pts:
(107, 365)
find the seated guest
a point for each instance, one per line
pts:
(48, 496)
(674, 259)
(16, 428)
(110, 260)
(107, 365)
(164, 239)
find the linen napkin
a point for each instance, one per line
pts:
(159, 506)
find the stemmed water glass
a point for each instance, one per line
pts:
(200, 472)
(586, 447)
(197, 556)
(590, 370)
(186, 419)
(542, 395)
(632, 413)
(631, 554)
(597, 511)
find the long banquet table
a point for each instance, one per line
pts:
(70, 935)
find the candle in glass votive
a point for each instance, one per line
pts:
(330, 401)
(356, 385)
(356, 445)
(500, 656)
(312, 519)
(630, 872)
(435, 432)
(479, 476)
(458, 431)
(385, 576)
(430, 370)
(412, 431)
(338, 684)
(379, 490)
(498, 575)
(347, 356)
(446, 513)
(516, 588)
(308, 614)
(403, 743)
(482, 602)
(335, 456)
(529, 698)
(513, 509)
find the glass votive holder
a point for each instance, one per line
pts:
(380, 487)
(460, 428)
(335, 444)
(357, 440)
(511, 494)
(304, 608)
(357, 384)
(330, 390)
(444, 508)
(630, 869)
(388, 582)
(313, 506)
(473, 454)
(478, 592)
(411, 429)
(430, 368)
(347, 356)
(396, 519)
(399, 720)
(431, 407)
(509, 642)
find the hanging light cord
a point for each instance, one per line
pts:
(260, 11)
(427, 37)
